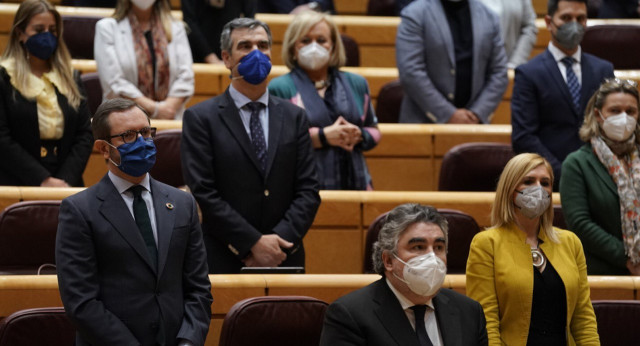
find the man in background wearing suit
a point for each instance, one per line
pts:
(407, 307)
(451, 61)
(248, 160)
(129, 252)
(551, 91)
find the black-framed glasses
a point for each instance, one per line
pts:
(131, 135)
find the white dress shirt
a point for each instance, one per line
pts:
(559, 55)
(123, 185)
(430, 321)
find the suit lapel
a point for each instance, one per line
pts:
(392, 317)
(448, 317)
(276, 121)
(588, 79)
(231, 117)
(165, 220)
(117, 214)
(436, 12)
(552, 68)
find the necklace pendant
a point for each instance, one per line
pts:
(538, 258)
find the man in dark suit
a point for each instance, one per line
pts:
(407, 307)
(129, 252)
(248, 160)
(549, 99)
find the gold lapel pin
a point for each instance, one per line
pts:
(169, 206)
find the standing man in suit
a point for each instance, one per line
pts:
(407, 307)
(551, 91)
(129, 253)
(248, 160)
(451, 61)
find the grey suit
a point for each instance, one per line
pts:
(373, 316)
(108, 285)
(426, 63)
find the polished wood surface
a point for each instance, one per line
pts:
(24, 292)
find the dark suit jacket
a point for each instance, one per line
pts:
(373, 316)
(20, 139)
(591, 206)
(239, 203)
(543, 118)
(110, 290)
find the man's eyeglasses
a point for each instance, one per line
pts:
(131, 135)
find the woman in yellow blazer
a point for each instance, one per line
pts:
(530, 278)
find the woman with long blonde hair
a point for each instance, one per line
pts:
(529, 277)
(45, 135)
(143, 54)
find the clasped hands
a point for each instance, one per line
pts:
(343, 134)
(267, 252)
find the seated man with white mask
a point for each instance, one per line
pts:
(407, 306)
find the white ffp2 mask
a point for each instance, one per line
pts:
(619, 127)
(424, 275)
(313, 56)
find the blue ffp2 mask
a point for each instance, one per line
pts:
(42, 45)
(136, 158)
(254, 67)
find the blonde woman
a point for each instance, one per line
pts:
(342, 120)
(600, 182)
(143, 54)
(45, 134)
(530, 278)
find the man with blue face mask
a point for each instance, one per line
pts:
(551, 91)
(129, 252)
(248, 160)
(407, 307)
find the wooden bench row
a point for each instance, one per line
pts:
(24, 292)
(408, 158)
(212, 80)
(375, 35)
(335, 243)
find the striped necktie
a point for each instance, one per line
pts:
(572, 81)
(257, 135)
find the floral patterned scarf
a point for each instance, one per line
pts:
(626, 174)
(160, 89)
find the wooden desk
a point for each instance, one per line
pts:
(408, 158)
(375, 35)
(24, 292)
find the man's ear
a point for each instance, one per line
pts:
(547, 20)
(226, 58)
(387, 260)
(103, 148)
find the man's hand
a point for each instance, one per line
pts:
(463, 116)
(267, 252)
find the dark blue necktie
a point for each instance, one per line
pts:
(143, 221)
(421, 331)
(572, 81)
(257, 135)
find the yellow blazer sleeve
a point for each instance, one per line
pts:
(480, 283)
(583, 326)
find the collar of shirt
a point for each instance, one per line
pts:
(240, 100)
(123, 185)
(559, 55)
(404, 301)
